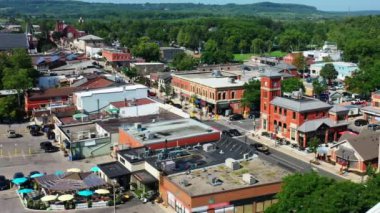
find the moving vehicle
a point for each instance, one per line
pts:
(358, 102)
(261, 148)
(12, 134)
(360, 122)
(51, 149)
(236, 117)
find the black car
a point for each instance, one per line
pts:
(226, 133)
(373, 127)
(18, 175)
(179, 106)
(4, 183)
(254, 114)
(51, 149)
(360, 122)
(236, 117)
(235, 132)
(261, 148)
(45, 144)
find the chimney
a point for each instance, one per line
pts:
(125, 102)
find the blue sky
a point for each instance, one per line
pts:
(328, 5)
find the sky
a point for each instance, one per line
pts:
(326, 5)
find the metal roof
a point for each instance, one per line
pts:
(113, 169)
(337, 108)
(300, 105)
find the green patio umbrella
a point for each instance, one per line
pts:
(59, 172)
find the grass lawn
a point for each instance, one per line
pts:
(243, 57)
(277, 53)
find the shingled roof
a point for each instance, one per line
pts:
(13, 40)
(300, 105)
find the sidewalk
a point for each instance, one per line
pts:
(306, 157)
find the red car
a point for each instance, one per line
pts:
(150, 93)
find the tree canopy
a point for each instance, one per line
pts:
(183, 61)
(214, 54)
(328, 72)
(251, 95)
(146, 49)
(291, 85)
(313, 193)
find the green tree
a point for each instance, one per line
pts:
(213, 54)
(313, 145)
(300, 62)
(183, 61)
(251, 95)
(168, 90)
(8, 107)
(243, 46)
(17, 79)
(291, 85)
(257, 46)
(328, 72)
(131, 73)
(146, 49)
(318, 87)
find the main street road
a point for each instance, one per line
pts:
(275, 156)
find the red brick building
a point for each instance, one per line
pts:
(167, 134)
(113, 55)
(372, 112)
(216, 91)
(68, 31)
(298, 118)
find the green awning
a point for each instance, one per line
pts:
(113, 111)
(80, 116)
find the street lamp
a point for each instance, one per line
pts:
(114, 195)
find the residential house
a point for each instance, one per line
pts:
(298, 118)
(68, 31)
(356, 152)
(89, 44)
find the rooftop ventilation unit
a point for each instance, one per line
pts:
(231, 80)
(185, 183)
(138, 126)
(216, 74)
(249, 178)
(214, 181)
(208, 147)
(232, 164)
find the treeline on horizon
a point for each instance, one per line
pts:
(358, 37)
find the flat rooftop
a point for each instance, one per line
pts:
(190, 157)
(169, 130)
(79, 132)
(197, 181)
(110, 90)
(113, 125)
(302, 104)
(210, 80)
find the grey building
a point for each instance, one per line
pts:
(168, 53)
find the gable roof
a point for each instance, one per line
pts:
(366, 144)
(13, 40)
(313, 125)
(300, 105)
(337, 108)
(51, 93)
(95, 83)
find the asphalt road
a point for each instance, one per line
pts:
(275, 157)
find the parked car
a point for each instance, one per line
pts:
(358, 102)
(179, 106)
(254, 114)
(18, 175)
(360, 122)
(373, 127)
(261, 148)
(12, 134)
(234, 132)
(226, 133)
(150, 93)
(236, 117)
(45, 144)
(4, 183)
(51, 149)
